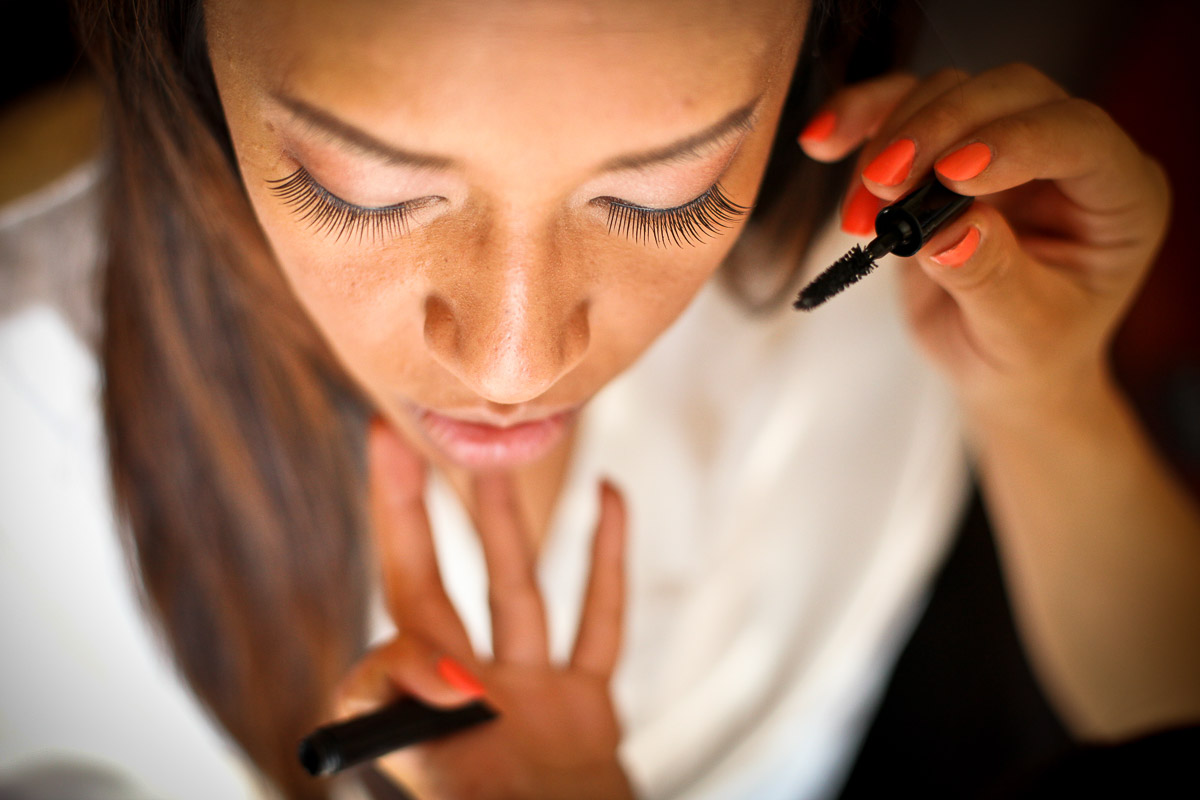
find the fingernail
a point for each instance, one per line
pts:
(965, 162)
(457, 676)
(819, 128)
(858, 217)
(957, 254)
(892, 165)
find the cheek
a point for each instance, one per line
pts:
(361, 299)
(641, 296)
(366, 305)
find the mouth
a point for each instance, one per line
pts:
(481, 440)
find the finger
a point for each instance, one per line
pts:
(1005, 298)
(921, 94)
(852, 115)
(918, 135)
(598, 642)
(416, 598)
(944, 82)
(405, 666)
(862, 202)
(518, 616)
(859, 209)
(1074, 143)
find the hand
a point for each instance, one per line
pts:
(1018, 298)
(557, 735)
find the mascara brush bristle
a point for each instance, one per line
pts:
(846, 270)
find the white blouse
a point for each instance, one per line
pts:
(793, 481)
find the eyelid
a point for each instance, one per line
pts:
(654, 171)
(717, 173)
(608, 200)
(303, 175)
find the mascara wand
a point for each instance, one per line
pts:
(902, 228)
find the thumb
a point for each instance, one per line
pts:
(404, 666)
(1020, 306)
(976, 259)
(999, 290)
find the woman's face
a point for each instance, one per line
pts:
(490, 209)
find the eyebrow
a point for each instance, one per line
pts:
(740, 119)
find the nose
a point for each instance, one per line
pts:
(509, 329)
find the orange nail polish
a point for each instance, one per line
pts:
(858, 217)
(965, 162)
(819, 128)
(457, 676)
(957, 254)
(892, 165)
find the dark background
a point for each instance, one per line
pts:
(36, 46)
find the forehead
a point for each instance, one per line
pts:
(460, 67)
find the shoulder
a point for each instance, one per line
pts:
(50, 247)
(50, 239)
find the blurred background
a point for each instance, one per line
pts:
(49, 110)
(1130, 58)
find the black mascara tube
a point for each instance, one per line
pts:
(914, 218)
(902, 228)
(335, 747)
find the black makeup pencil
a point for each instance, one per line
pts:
(902, 228)
(406, 722)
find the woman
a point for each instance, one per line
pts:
(462, 223)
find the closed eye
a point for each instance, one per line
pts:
(689, 224)
(326, 213)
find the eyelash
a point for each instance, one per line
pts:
(690, 223)
(326, 213)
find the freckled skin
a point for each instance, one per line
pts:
(512, 294)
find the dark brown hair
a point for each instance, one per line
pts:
(235, 439)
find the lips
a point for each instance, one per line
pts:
(482, 445)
